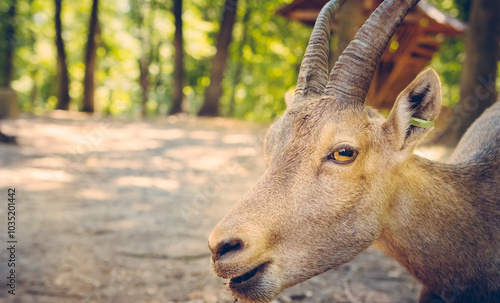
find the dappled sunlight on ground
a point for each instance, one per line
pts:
(203, 135)
(199, 158)
(99, 196)
(161, 183)
(173, 134)
(94, 194)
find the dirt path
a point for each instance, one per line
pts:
(120, 211)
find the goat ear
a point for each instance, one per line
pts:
(415, 110)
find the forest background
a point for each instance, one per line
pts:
(134, 56)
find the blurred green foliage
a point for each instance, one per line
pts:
(448, 61)
(270, 58)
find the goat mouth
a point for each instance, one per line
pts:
(257, 285)
(246, 277)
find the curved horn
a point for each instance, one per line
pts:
(354, 70)
(313, 74)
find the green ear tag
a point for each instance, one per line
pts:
(421, 123)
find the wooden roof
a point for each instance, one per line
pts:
(411, 50)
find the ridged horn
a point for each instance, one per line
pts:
(313, 74)
(354, 70)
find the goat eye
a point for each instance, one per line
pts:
(343, 155)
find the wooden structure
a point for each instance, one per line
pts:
(411, 49)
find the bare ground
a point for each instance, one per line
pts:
(120, 211)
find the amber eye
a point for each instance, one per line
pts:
(343, 155)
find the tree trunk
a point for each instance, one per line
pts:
(145, 25)
(178, 95)
(34, 67)
(477, 87)
(239, 62)
(34, 90)
(144, 82)
(90, 60)
(8, 97)
(213, 92)
(62, 67)
(350, 20)
(7, 44)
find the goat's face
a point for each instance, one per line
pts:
(326, 192)
(311, 211)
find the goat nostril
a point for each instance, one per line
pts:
(227, 246)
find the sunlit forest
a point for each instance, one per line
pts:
(134, 55)
(266, 51)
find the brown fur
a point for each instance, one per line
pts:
(307, 214)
